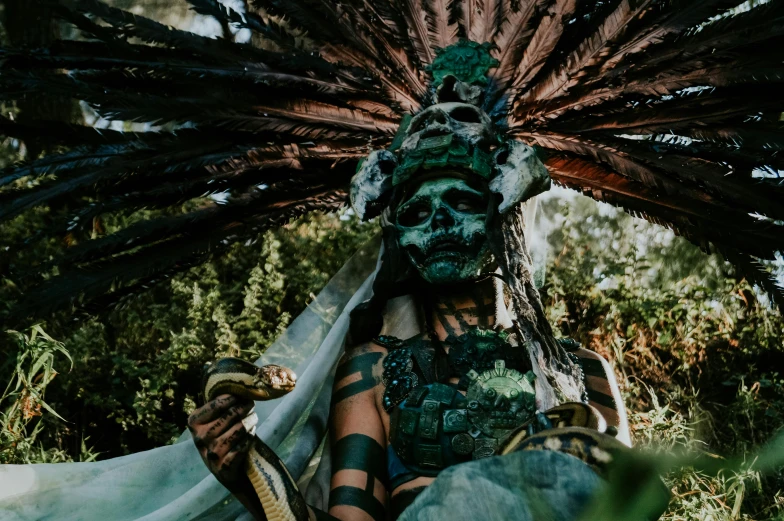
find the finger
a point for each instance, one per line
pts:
(226, 442)
(233, 415)
(237, 453)
(211, 410)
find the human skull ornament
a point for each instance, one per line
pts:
(520, 175)
(457, 136)
(372, 183)
(441, 229)
(467, 123)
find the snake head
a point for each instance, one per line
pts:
(276, 380)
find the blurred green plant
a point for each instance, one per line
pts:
(137, 368)
(697, 353)
(22, 403)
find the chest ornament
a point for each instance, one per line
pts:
(435, 426)
(500, 399)
(399, 377)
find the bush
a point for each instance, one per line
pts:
(697, 352)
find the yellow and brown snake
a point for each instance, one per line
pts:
(273, 484)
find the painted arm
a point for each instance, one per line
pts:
(358, 491)
(604, 393)
(359, 461)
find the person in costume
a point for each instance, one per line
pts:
(465, 371)
(670, 110)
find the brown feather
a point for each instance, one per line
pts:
(588, 54)
(442, 31)
(398, 91)
(758, 25)
(620, 162)
(482, 19)
(685, 111)
(543, 42)
(719, 73)
(416, 19)
(672, 18)
(394, 41)
(516, 31)
(699, 223)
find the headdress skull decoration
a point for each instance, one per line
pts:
(454, 137)
(454, 134)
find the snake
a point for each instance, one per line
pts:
(572, 428)
(276, 489)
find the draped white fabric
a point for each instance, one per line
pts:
(171, 483)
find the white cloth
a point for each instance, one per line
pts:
(171, 483)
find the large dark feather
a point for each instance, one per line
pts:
(80, 286)
(482, 19)
(442, 30)
(670, 109)
(664, 20)
(415, 16)
(699, 223)
(516, 31)
(542, 43)
(589, 53)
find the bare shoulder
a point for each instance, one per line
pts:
(366, 348)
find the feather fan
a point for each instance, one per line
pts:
(671, 109)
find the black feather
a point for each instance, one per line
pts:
(670, 109)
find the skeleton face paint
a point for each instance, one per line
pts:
(441, 229)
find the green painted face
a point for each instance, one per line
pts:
(441, 228)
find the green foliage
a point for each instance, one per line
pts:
(137, 369)
(31, 366)
(698, 354)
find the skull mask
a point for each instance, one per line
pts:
(441, 229)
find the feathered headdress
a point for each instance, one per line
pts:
(668, 108)
(454, 134)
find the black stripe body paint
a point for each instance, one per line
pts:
(356, 497)
(402, 500)
(360, 452)
(602, 399)
(593, 367)
(363, 453)
(362, 364)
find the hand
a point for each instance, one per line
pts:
(222, 439)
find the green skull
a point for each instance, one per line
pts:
(441, 229)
